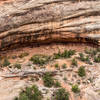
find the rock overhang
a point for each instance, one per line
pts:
(53, 20)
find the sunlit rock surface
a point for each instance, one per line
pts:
(43, 21)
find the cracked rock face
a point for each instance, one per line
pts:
(40, 21)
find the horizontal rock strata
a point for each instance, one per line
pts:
(45, 21)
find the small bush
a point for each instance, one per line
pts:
(64, 66)
(65, 54)
(57, 84)
(91, 52)
(6, 62)
(68, 54)
(61, 94)
(22, 55)
(17, 66)
(75, 89)
(87, 58)
(81, 71)
(56, 66)
(97, 59)
(65, 79)
(83, 58)
(48, 80)
(40, 59)
(74, 62)
(30, 93)
(94, 52)
(57, 55)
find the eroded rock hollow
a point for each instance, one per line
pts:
(45, 21)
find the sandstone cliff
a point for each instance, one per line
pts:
(29, 22)
(43, 21)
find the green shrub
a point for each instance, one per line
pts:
(74, 62)
(87, 51)
(30, 93)
(48, 80)
(6, 62)
(75, 88)
(97, 59)
(56, 66)
(64, 66)
(68, 54)
(65, 79)
(87, 58)
(83, 58)
(22, 55)
(98, 49)
(91, 52)
(65, 54)
(17, 66)
(61, 94)
(57, 84)
(81, 71)
(57, 55)
(16, 98)
(94, 52)
(40, 59)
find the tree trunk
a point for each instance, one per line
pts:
(44, 21)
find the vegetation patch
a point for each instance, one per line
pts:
(91, 51)
(17, 66)
(65, 54)
(84, 58)
(30, 93)
(97, 59)
(6, 62)
(74, 62)
(43, 59)
(57, 84)
(81, 71)
(64, 66)
(22, 55)
(57, 66)
(40, 59)
(48, 80)
(75, 88)
(61, 94)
